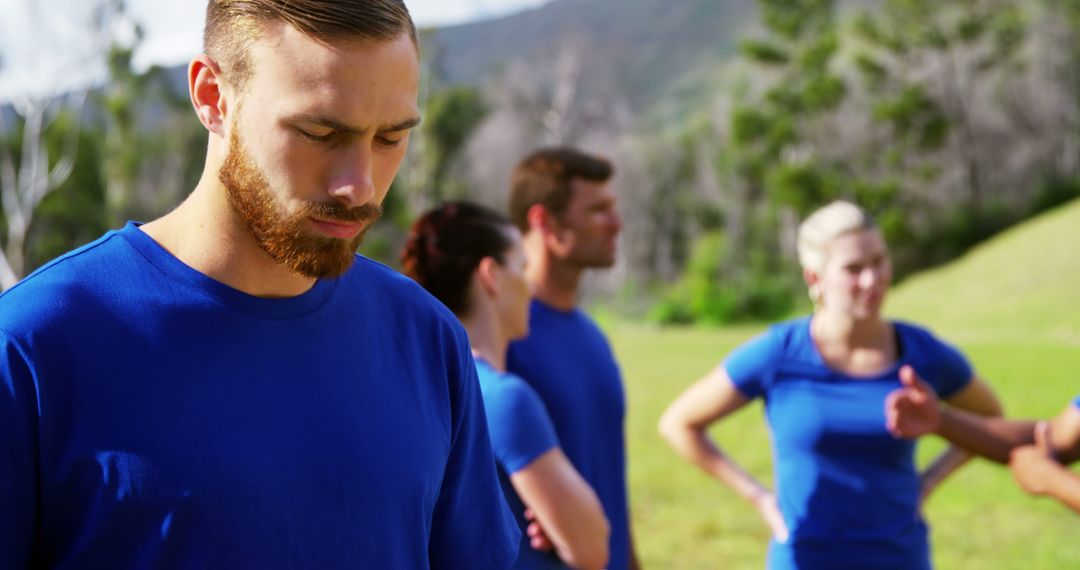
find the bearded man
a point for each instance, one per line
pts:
(231, 386)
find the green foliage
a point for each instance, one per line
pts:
(823, 93)
(793, 19)
(450, 117)
(914, 116)
(1055, 191)
(817, 56)
(703, 295)
(802, 187)
(871, 70)
(71, 214)
(763, 52)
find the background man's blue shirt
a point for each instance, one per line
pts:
(151, 417)
(848, 490)
(567, 360)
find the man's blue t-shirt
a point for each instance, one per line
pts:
(151, 417)
(521, 431)
(848, 490)
(567, 360)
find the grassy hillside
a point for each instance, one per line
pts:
(1009, 305)
(1020, 286)
(682, 519)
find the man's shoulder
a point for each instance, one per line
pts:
(397, 293)
(65, 284)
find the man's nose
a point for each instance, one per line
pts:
(353, 184)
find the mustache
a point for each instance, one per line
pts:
(368, 213)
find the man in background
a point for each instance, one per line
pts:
(563, 202)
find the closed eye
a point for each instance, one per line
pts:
(389, 141)
(316, 136)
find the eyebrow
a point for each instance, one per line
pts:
(342, 127)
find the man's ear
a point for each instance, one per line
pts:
(208, 93)
(487, 273)
(539, 219)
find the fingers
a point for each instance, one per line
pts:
(1042, 438)
(537, 539)
(910, 379)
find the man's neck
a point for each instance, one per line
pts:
(554, 282)
(205, 233)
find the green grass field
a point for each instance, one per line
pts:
(1011, 307)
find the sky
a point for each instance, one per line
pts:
(45, 44)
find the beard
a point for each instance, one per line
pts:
(285, 236)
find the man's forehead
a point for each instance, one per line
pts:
(279, 39)
(338, 79)
(591, 191)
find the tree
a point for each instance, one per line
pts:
(926, 65)
(451, 116)
(31, 174)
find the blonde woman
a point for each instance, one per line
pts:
(848, 494)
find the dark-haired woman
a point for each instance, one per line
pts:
(471, 259)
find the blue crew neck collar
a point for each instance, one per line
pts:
(278, 308)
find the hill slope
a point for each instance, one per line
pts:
(1021, 285)
(643, 46)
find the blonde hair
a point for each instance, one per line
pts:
(826, 224)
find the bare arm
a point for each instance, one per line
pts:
(976, 398)
(1065, 432)
(914, 410)
(684, 426)
(1036, 471)
(566, 507)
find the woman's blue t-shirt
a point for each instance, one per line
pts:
(848, 490)
(521, 432)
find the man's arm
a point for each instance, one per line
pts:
(471, 526)
(978, 399)
(18, 458)
(914, 410)
(1038, 473)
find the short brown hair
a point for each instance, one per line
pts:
(232, 25)
(544, 177)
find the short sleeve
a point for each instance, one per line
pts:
(472, 526)
(1076, 402)
(941, 364)
(18, 457)
(749, 366)
(520, 427)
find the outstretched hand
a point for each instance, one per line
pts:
(912, 410)
(1033, 466)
